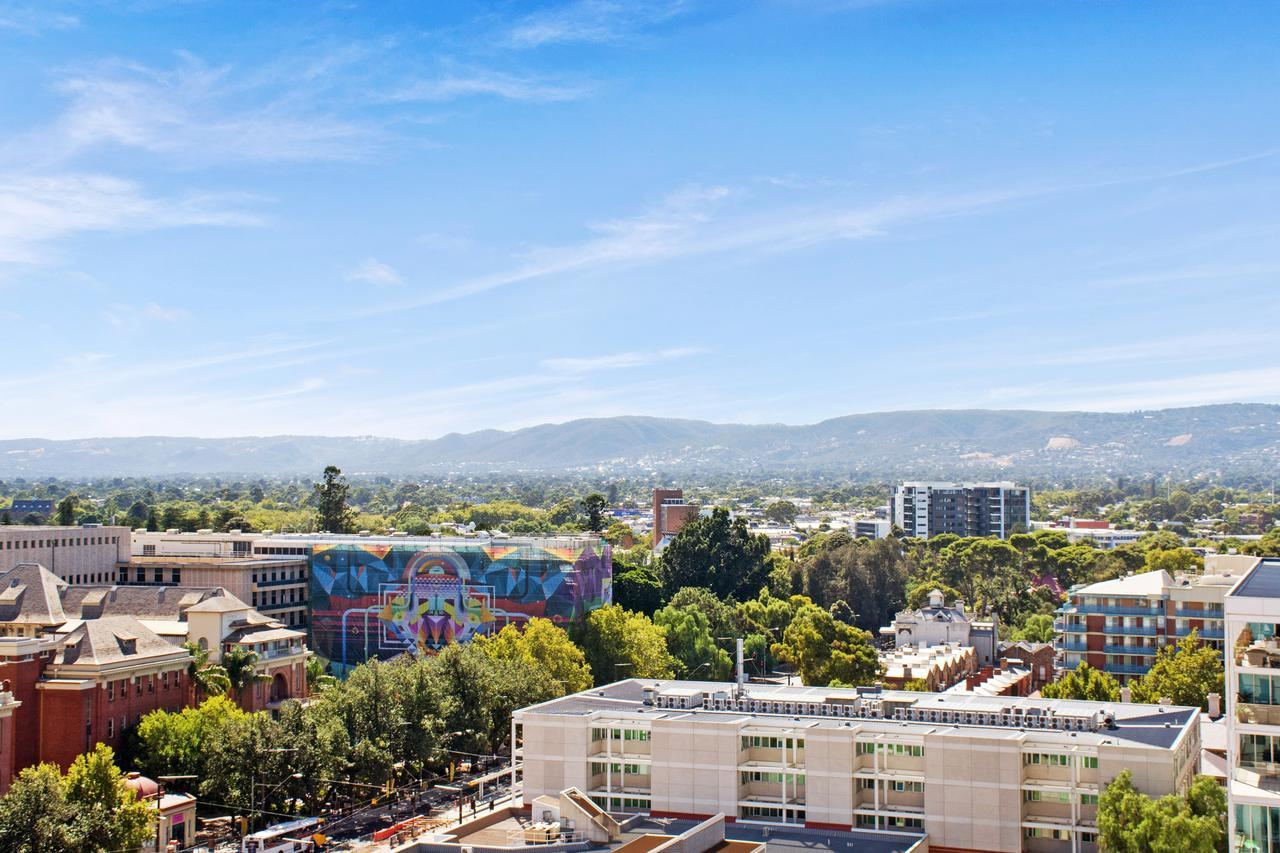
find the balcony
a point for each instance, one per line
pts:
(1130, 630)
(1064, 627)
(1073, 646)
(1195, 613)
(1148, 651)
(1261, 774)
(1261, 715)
(1084, 609)
(1125, 669)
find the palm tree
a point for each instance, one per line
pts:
(317, 678)
(208, 679)
(239, 663)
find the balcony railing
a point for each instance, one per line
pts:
(1130, 650)
(1194, 613)
(1133, 630)
(1090, 610)
(1074, 646)
(1125, 668)
(1266, 715)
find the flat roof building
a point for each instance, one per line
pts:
(973, 772)
(927, 509)
(79, 555)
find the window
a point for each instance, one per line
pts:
(1055, 834)
(1049, 759)
(1046, 796)
(111, 729)
(909, 787)
(1088, 799)
(111, 691)
(1089, 762)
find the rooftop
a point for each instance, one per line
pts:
(1071, 721)
(1262, 582)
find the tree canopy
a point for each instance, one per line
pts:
(1131, 822)
(1186, 673)
(1084, 682)
(718, 553)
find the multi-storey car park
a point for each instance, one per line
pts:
(973, 772)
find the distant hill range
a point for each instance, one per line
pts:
(1225, 440)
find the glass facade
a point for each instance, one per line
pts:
(1257, 828)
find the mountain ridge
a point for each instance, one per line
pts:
(1224, 437)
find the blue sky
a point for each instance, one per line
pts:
(413, 218)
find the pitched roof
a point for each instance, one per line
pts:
(112, 639)
(143, 602)
(224, 603)
(31, 593)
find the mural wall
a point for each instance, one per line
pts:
(378, 600)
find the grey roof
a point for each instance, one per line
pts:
(1151, 725)
(112, 639)
(143, 602)
(31, 593)
(1262, 582)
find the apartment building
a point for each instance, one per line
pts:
(270, 576)
(1253, 709)
(926, 509)
(973, 772)
(1120, 625)
(79, 555)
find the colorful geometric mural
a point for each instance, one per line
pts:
(380, 599)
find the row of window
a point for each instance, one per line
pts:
(766, 776)
(1050, 759)
(1058, 834)
(871, 748)
(87, 579)
(150, 682)
(598, 767)
(869, 821)
(1260, 689)
(70, 542)
(1058, 797)
(898, 785)
(620, 734)
(766, 742)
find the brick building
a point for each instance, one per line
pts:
(83, 664)
(670, 512)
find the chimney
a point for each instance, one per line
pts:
(906, 674)
(1215, 705)
(1126, 694)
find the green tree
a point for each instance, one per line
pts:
(1037, 629)
(332, 513)
(317, 678)
(34, 815)
(722, 616)
(1131, 822)
(1172, 560)
(638, 588)
(825, 651)
(1186, 674)
(1084, 682)
(718, 553)
(690, 641)
(593, 507)
(620, 644)
(65, 515)
(544, 644)
(782, 512)
(108, 816)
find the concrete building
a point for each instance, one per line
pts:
(670, 512)
(269, 575)
(1253, 713)
(175, 814)
(1120, 625)
(871, 528)
(974, 773)
(79, 555)
(938, 623)
(86, 663)
(926, 509)
(8, 705)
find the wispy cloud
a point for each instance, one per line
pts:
(1191, 389)
(374, 271)
(616, 361)
(123, 317)
(28, 18)
(591, 21)
(36, 210)
(196, 114)
(479, 82)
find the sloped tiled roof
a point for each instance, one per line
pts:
(31, 593)
(143, 602)
(112, 639)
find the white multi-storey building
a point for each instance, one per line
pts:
(926, 509)
(973, 772)
(1253, 718)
